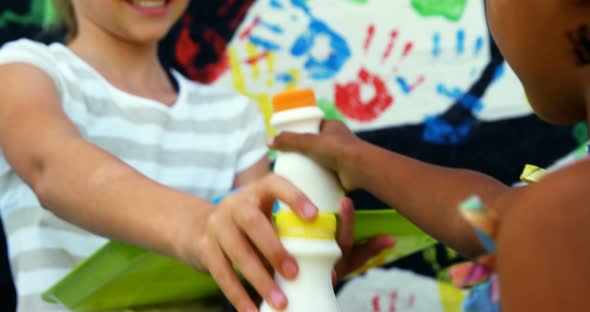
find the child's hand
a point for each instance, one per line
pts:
(334, 149)
(239, 231)
(353, 257)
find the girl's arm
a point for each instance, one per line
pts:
(426, 194)
(544, 229)
(87, 186)
(77, 180)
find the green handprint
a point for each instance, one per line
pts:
(41, 13)
(450, 9)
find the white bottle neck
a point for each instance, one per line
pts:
(301, 120)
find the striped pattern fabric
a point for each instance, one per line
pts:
(197, 145)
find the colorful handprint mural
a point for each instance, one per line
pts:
(421, 77)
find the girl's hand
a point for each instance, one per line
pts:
(353, 257)
(240, 231)
(334, 148)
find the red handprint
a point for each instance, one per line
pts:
(394, 303)
(348, 96)
(187, 51)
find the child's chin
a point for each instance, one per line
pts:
(148, 36)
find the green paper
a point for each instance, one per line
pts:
(120, 275)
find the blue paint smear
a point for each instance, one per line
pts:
(468, 101)
(275, 4)
(478, 47)
(499, 72)
(471, 102)
(284, 77)
(460, 41)
(439, 131)
(277, 29)
(262, 43)
(301, 5)
(436, 50)
(403, 84)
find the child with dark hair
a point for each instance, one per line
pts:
(541, 231)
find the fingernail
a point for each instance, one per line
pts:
(289, 268)
(389, 240)
(309, 210)
(277, 298)
(251, 309)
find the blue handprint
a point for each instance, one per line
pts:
(456, 124)
(478, 45)
(319, 68)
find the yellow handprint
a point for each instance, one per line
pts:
(260, 84)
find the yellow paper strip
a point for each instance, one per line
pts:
(532, 174)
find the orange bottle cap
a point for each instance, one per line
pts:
(293, 99)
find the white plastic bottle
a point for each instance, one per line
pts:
(297, 111)
(313, 244)
(316, 251)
